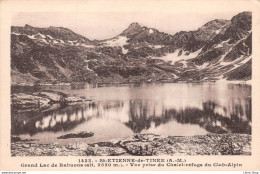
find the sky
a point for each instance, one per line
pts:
(105, 25)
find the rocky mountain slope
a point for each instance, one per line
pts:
(220, 49)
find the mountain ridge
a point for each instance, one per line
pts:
(219, 49)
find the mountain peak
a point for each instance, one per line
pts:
(214, 24)
(243, 20)
(133, 29)
(134, 24)
(28, 26)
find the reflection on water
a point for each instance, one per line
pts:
(165, 109)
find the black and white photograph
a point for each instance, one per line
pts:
(131, 84)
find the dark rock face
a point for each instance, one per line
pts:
(57, 54)
(230, 51)
(82, 134)
(244, 72)
(242, 48)
(15, 138)
(204, 34)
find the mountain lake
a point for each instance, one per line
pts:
(117, 111)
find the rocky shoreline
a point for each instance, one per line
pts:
(140, 145)
(42, 99)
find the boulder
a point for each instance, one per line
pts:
(25, 101)
(105, 149)
(70, 99)
(15, 138)
(82, 134)
(54, 96)
(141, 145)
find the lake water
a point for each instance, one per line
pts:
(169, 109)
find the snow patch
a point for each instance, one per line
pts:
(72, 42)
(218, 46)
(118, 41)
(203, 66)
(16, 33)
(87, 68)
(124, 51)
(158, 46)
(217, 31)
(173, 57)
(222, 63)
(44, 41)
(87, 46)
(155, 46)
(31, 37)
(43, 36)
(221, 44)
(175, 76)
(49, 37)
(184, 63)
(239, 62)
(246, 60)
(54, 41)
(221, 60)
(150, 31)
